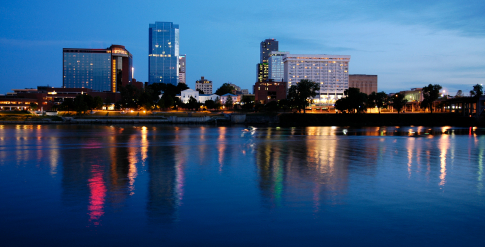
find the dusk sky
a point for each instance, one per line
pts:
(406, 43)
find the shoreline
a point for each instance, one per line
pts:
(281, 119)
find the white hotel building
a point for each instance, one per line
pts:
(330, 71)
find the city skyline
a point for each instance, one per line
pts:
(408, 44)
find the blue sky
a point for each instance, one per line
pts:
(406, 43)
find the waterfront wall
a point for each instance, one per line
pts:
(285, 120)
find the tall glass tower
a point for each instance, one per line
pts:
(163, 53)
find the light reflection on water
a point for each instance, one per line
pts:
(198, 183)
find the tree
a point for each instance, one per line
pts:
(33, 106)
(181, 87)
(130, 96)
(218, 103)
(371, 100)
(271, 106)
(200, 91)
(430, 95)
(80, 103)
(192, 104)
(225, 88)
(477, 91)
(355, 101)
(167, 101)
(459, 94)
(97, 103)
(229, 103)
(210, 104)
(67, 104)
(377, 100)
(398, 102)
(301, 95)
(145, 99)
(247, 102)
(284, 104)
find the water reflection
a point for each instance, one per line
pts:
(168, 175)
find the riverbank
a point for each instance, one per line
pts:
(272, 119)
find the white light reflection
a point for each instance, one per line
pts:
(444, 145)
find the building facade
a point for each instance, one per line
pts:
(366, 83)
(267, 91)
(163, 53)
(182, 69)
(262, 71)
(97, 69)
(276, 67)
(331, 72)
(235, 98)
(262, 68)
(204, 85)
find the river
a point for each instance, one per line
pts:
(81, 185)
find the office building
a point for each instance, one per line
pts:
(366, 83)
(276, 68)
(204, 85)
(262, 69)
(331, 72)
(97, 69)
(266, 47)
(182, 68)
(163, 53)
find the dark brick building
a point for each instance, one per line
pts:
(269, 90)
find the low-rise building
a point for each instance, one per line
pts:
(267, 91)
(201, 98)
(235, 98)
(47, 97)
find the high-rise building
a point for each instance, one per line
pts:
(266, 46)
(182, 68)
(163, 53)
(330, 71)
(366, 83)
(98, 69)
(262, 72)
(204, 85)
(276, 68)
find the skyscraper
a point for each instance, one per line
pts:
(267, 46)
(98, 69)
(163, 53)
(276, 70)
(182, 68)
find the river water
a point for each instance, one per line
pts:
(81, 185)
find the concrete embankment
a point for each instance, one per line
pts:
(133, 120)
(285, 119)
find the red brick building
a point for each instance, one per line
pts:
(267, 91)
